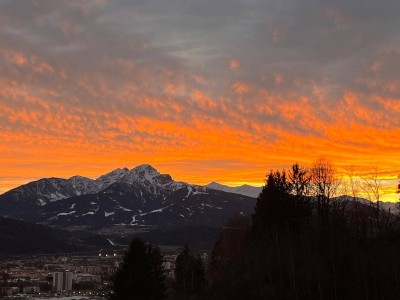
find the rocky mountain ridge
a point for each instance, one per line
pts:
(140, 197)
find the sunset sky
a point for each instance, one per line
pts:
(203, 90)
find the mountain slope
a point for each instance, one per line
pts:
(22, 202)
(47, 190)
(137, 204)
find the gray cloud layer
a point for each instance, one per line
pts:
(266, 68)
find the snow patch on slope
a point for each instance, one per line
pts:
(107, 214)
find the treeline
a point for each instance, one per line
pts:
(302, 242)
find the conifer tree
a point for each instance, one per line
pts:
(271, 207)
(141, 274)
(189, 274)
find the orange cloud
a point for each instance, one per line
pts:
(234, 64)
(203, 101)
(337, 17)
(278, 79)
(241, 88)
(126, 108)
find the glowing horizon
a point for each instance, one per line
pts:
(202, 91)
(388, 191)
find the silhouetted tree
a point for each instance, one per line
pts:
(230, 271)
(398, 191)
(273, 202)
(326, 185)
(141, 274)
(189, 275)
(230, 246)
(284, 200)
(324, 178)
(308, 244)
(300, 180)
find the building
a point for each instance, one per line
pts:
(31, 290)
(62, 281)
(8, 291)
(82, 277)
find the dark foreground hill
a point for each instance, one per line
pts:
(19, 237)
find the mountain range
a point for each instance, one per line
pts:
(82, 213)
(125, 202)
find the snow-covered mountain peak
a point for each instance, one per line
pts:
(111, 177)
(246, 190)
(83, 185)
(152, 180)
(144, 172)
(77, 179)
(215, 185)
(115, 173)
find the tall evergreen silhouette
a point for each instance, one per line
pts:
(189, 275)
(141, 274)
